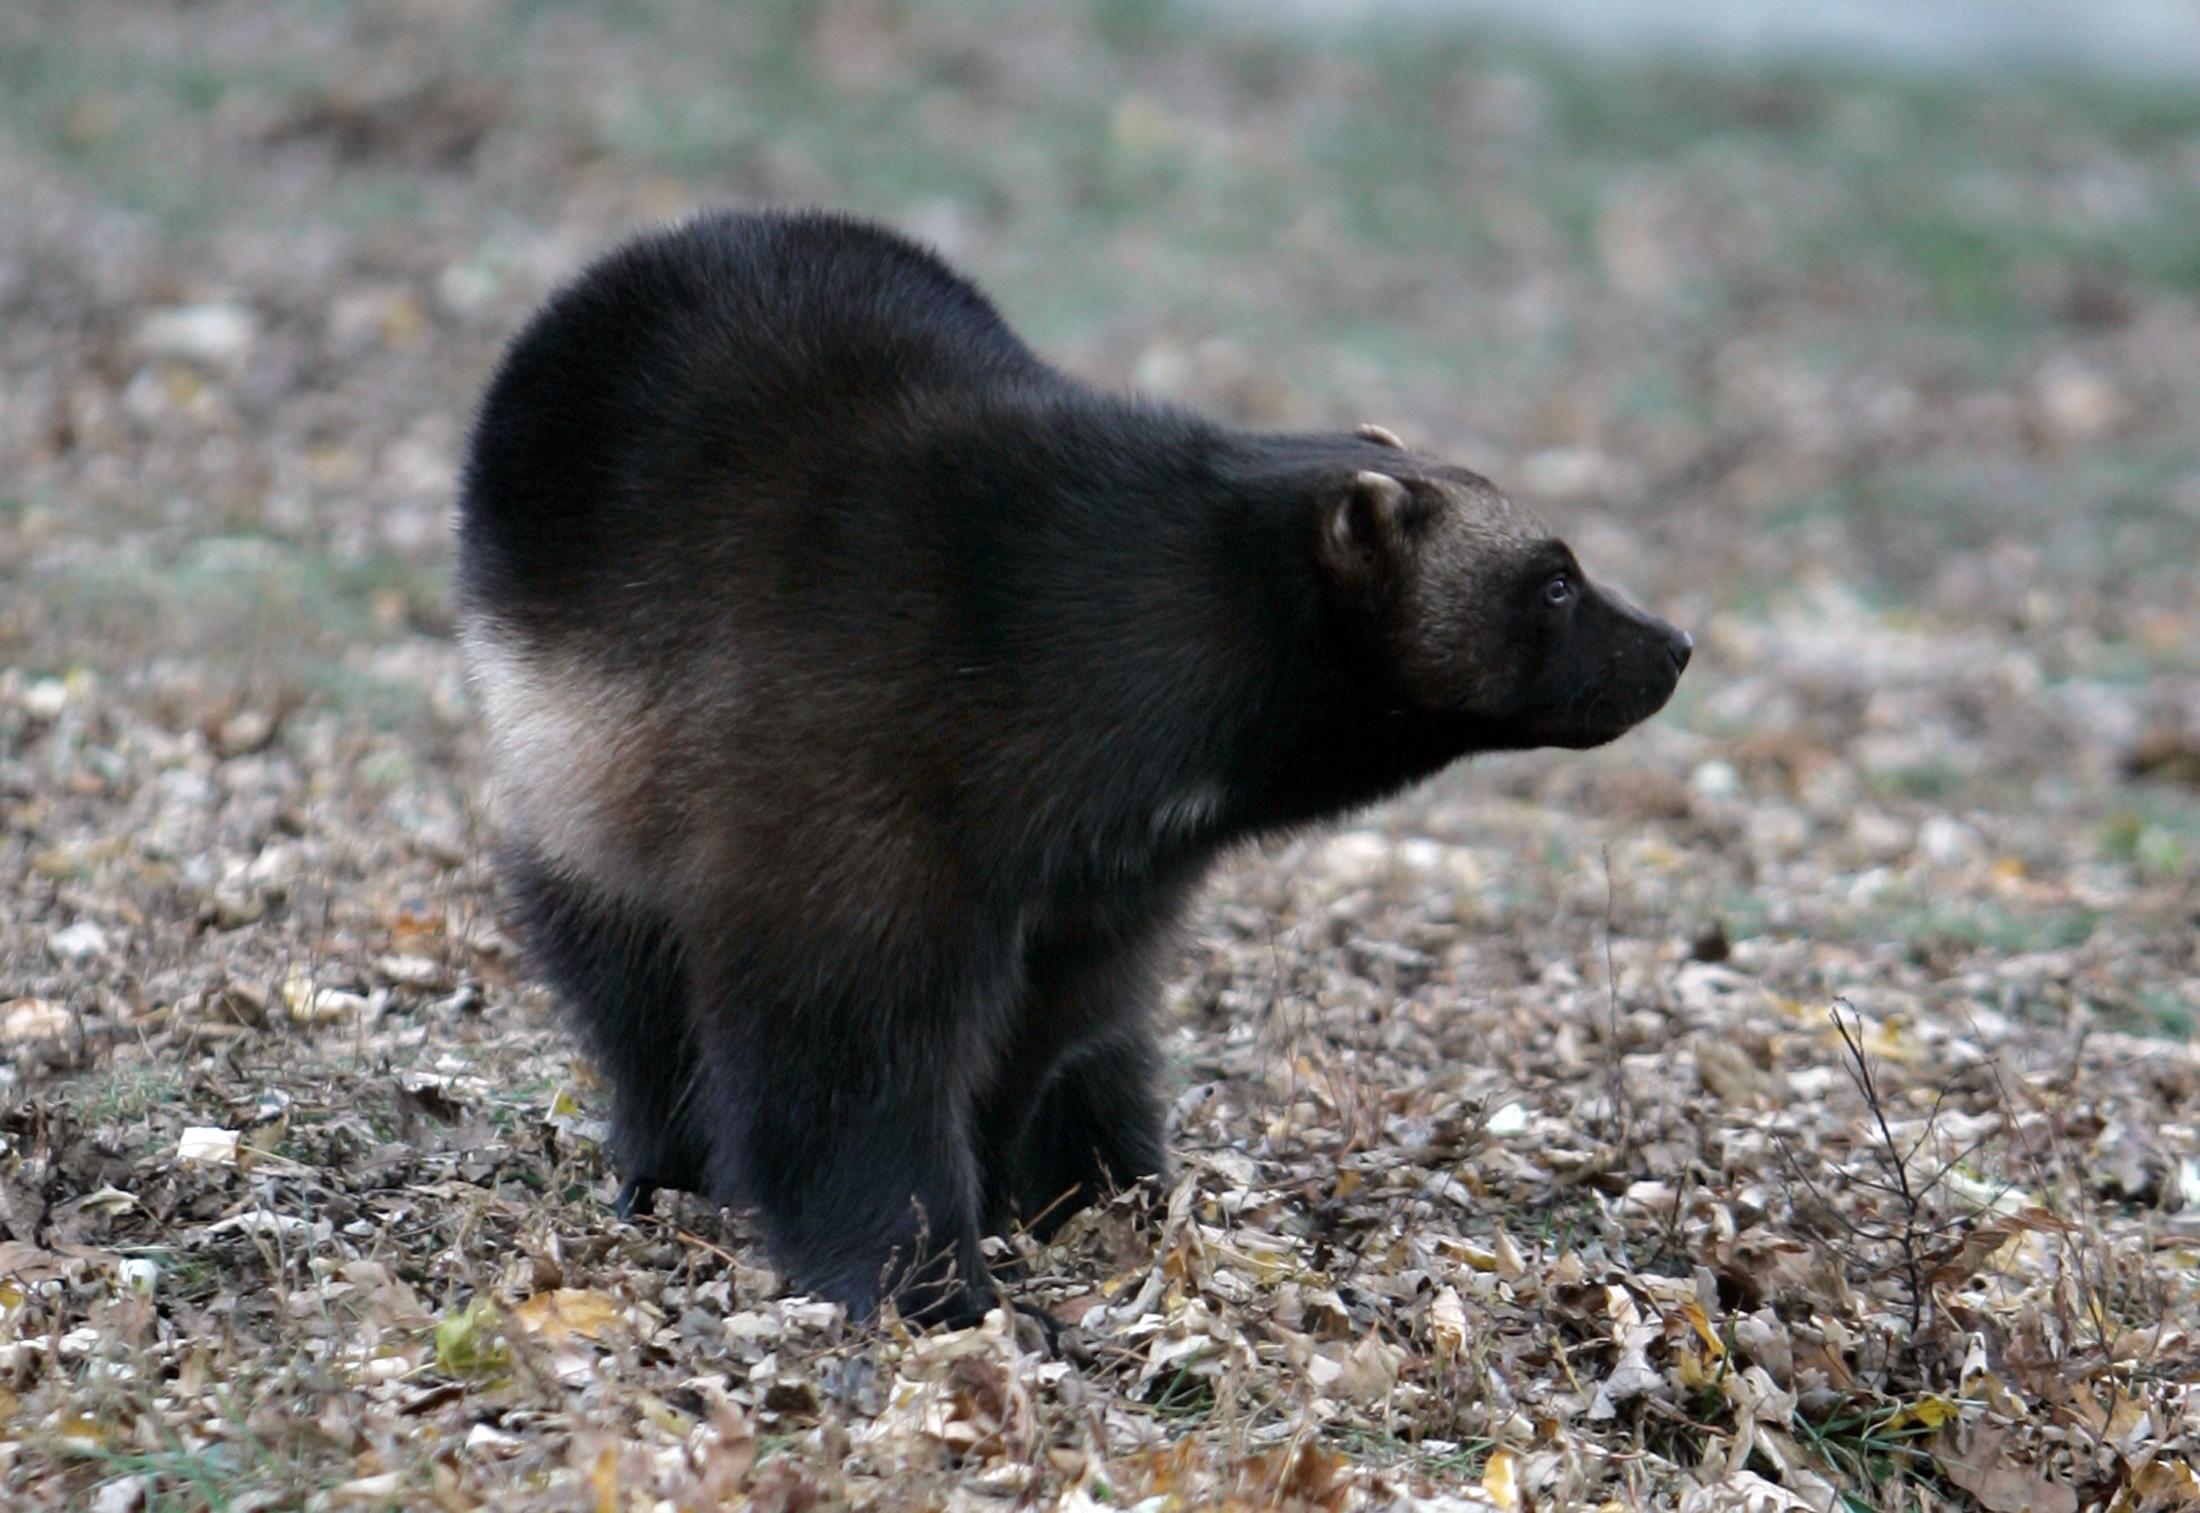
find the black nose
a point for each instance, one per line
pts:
(1678, 649)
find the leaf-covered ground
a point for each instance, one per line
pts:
(1793, 1106)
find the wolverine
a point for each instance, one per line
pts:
(866, 698)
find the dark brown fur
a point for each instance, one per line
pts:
(867, 698)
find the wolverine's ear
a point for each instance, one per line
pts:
(1367, 529)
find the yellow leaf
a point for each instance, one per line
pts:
(1887, 1042)
(671, 1420)
(1501, 1479)
(603, 1477)
(568, 1312)
(1698, 1320)
(82, 1432)
(1926, 1412)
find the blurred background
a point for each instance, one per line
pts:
(1862, 338)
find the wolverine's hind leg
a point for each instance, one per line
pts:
(620, 976)
(1097, 1125)
(1074, 1108)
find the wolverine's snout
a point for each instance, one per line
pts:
(1678, 649)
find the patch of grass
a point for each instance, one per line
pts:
(1744, 916)
(1568, 1221)
(1460, 1463)
(2169, 1012)
(2150, 1010)
(1929, 782)
(278, 622)
(1139, 26)
(2157, 836)
(117, 116)
(523, 1101)
(1876, 1456)
(243, 1470)
(176, 1478)
(1926, 925)
(1182, 1398)
(181, 1271)
(2103, 518)
(126, 1093)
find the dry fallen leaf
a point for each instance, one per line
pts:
(1986, 1469)
(27, 1019)
(311, 1004)
(1448, 1321)
(569, 1313)
(205, 1143)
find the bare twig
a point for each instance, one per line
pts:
(1860, 1073)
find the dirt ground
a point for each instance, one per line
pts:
(1793, 1106)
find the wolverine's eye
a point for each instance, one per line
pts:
(1560, 590)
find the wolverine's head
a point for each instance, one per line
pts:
(1480, 612)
